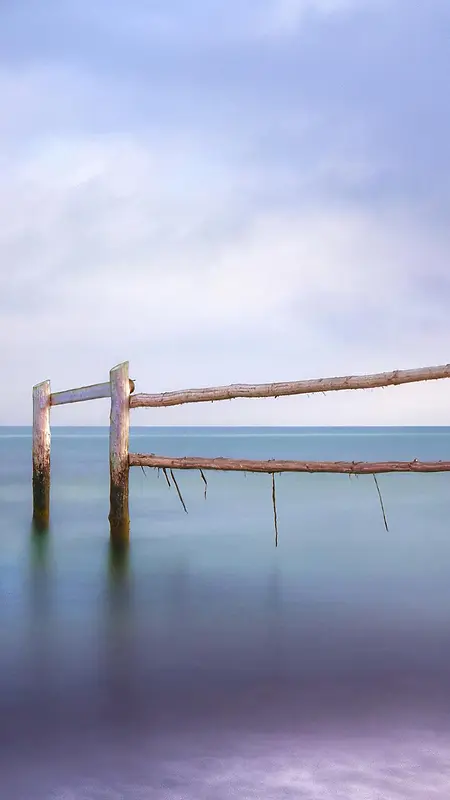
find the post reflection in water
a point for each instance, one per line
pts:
(116, 651)
(41, 601)
(118, 569)
(39, 559)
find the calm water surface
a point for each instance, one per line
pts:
(204, 663)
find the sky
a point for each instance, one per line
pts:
(225, 192)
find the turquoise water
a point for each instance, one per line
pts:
(205, 662)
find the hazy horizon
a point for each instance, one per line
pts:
(226, 427)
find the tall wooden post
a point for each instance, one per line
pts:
(41, 454)
(119, 432)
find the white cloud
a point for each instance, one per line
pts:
(208, 21)
(210, 256)
(284, 17)
(125, 248)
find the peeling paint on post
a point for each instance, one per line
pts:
(119, 432)
(41, 454)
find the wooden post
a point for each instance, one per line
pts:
(119, 430)
(41, 454)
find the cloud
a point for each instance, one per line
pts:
(285, 17)
(197, 22)
(246, 213)
(120, 250)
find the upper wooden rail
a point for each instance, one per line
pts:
(79, 395)
(295, 387)
(93, 392)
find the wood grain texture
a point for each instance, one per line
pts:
(275, 466)
(118, 452)
(93, 392)
(291, 388)
(41, 453)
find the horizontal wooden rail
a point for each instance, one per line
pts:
(296, 387)
(273, 466)
(94, 392)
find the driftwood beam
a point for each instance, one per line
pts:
(295, 387)
(273, 466)
(93, 392)
(81, 394)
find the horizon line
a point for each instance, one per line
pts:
(194, 426)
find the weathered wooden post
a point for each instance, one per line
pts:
(41, 454)
(119, 433)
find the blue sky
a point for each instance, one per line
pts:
(225, 192)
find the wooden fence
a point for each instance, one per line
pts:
(121, 391)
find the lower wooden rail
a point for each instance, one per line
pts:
(276, 466)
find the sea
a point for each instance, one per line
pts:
(205, 663)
